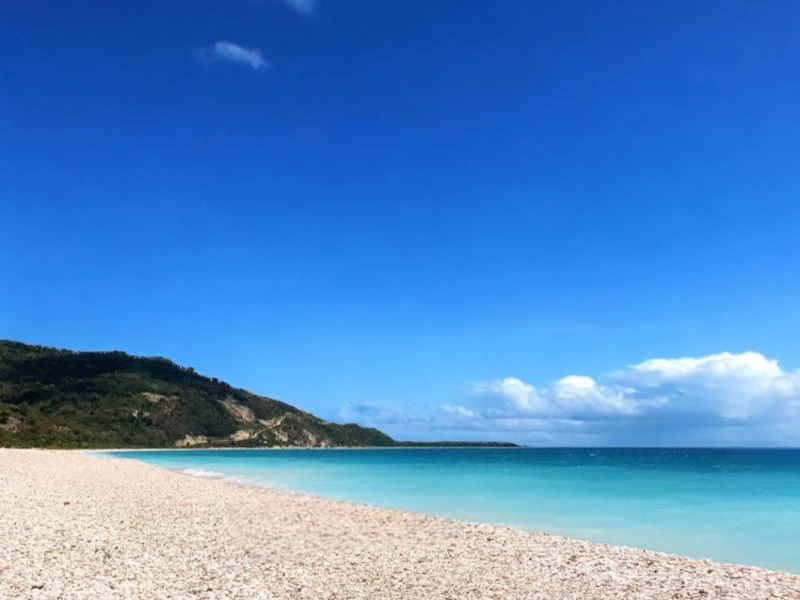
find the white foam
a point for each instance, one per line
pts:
(204, 473)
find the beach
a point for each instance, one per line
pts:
(74, 526)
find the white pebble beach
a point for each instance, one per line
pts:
(77, 527)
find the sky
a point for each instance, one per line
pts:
(554, 223)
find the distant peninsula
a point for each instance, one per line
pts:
(55, 398)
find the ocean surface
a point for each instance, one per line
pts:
(740, 506)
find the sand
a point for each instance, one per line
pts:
(79, 527)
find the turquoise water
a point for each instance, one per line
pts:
(740, 506)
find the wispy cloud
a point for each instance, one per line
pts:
(720, 399)
(303, 6)
(236, 54)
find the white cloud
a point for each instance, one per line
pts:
(570, 396)
(748, 365)
(459, 411)
(721, 399)
(732, 386)
(727, 386)
(521, 396)
(234, 53)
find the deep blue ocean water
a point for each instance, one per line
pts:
(740, 506)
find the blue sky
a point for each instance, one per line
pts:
(448, 219)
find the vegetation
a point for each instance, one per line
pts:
(64, 399)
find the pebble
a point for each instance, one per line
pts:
(140, 532)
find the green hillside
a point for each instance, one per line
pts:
(65, 399)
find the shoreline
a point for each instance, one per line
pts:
(211, 475)
(126, 529)
(240, 482)
(293, 448)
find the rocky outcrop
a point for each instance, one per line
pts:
(191, 440)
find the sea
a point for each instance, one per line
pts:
(738, 506)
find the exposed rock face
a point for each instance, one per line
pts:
(240, 411)
(11, 425)
(274, 425)
(241, 436)
(156, 398)
(289, 429)
(191, 440)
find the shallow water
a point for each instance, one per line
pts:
(740, 506)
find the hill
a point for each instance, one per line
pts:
(65, 399)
